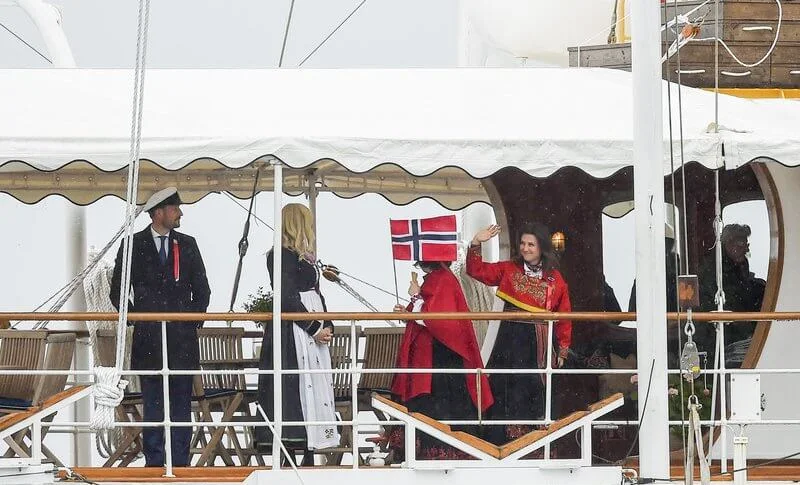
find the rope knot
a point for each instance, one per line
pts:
(108, 391)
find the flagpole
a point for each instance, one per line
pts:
(396, 290)
(394, 269)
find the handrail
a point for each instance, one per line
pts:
(361, 316)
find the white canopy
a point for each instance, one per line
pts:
(65, 131)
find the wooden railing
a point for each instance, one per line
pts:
(362, 316)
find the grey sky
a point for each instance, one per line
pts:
(227, 34)
(247, 33)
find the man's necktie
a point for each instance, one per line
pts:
(162, 252)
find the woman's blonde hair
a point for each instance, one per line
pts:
(298, 233)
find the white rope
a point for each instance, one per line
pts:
(97, 288)
(108, 391)
(680, 42)
(769, 51)
(108, 387)
(696, 446)
(66, 291)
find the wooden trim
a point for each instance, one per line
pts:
(605, 402)
(466, 438)
(188, 474)
(56, 398)
(575, 317)
(511, 447)
(776, 258)
(10, 420)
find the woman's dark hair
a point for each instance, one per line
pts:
(432, 265)
(542, 235)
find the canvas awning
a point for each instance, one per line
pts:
(403, 133)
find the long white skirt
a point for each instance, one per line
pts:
(316, 390)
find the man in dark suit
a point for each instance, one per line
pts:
(167, 275)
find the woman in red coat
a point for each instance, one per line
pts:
(529, 282)
(440, 344)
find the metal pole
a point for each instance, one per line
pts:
(47, 20)
(648, 148)
(548, 394)
(723, 402)
(354, 391)
(313, 193)
(167, 417)
(277, 240)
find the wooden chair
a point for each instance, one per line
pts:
(220, 348)
(20, 350)
(127, 441)
(56, 354)
(341, 358)
(381, 345)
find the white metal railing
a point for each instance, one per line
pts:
(723, 421)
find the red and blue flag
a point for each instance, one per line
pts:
(431, 239)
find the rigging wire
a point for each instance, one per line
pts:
(34, 49)
(255, 216)
(353, 277)
(286, 33)
(314, 51)
(676, 259)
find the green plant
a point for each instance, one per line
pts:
(259, 302)
(676, 404)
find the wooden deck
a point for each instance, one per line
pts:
(771, 473)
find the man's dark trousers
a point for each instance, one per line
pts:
(180, 404)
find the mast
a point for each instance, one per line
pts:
(648, 178)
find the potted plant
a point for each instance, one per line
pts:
(259, 302)
(676, 404)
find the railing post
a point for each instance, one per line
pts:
(410, 445)
(354, 391)
(277, 269)
(36, 442)
(723, 402)
(548, 391)
(167, 421)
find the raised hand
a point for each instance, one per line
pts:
(413, 287)
(485, 234)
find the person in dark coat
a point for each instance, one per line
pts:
(304, 345)
(743, 293)
(167, 275)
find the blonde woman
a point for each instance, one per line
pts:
(304, 344)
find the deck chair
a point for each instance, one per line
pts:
(59, 350)
(21, 350)
(381, 345)
(220, 348)
(127, 441)
(341, 348)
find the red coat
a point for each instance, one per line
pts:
(441, 292)
(550, 293)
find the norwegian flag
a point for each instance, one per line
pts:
(432, 239)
